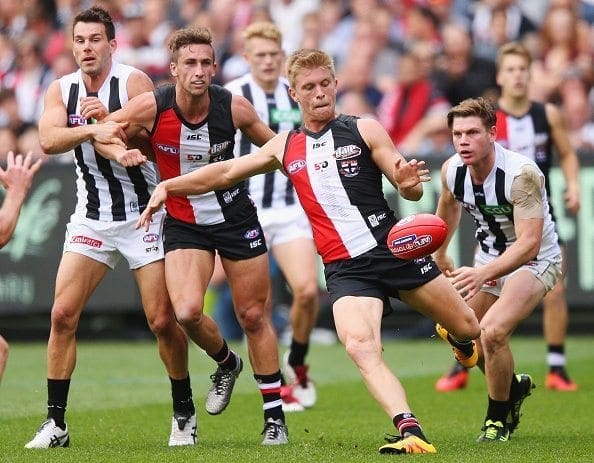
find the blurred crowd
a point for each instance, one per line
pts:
(404, 62)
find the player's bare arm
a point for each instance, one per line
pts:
(568, 159)
(217, 176)
(55, 137)
(139, 115)
(407, 177)
(246, 119)
(528, 224)
(450, 210)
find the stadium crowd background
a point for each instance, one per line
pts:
(431, 53)
(404, 62)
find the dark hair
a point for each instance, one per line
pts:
(479, 107)
(189, 36)
(96, 14)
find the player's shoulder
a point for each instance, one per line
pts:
(236, 85)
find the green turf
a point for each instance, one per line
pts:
(119, 409)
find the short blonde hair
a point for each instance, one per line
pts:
(263, 30)
(512, 48)
(307, 58)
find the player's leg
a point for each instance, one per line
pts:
(520, 294)
(172, 344)
(4, 348)
(187, 273)
(77, 278)
(457, 322)
(358, 323)
(249, 282)
(555, 322)
(297, 260)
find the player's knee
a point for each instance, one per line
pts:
(3, 347)
(306, 297)
(251, 318)
(359, 349)
(189, 315)
(63, 319)
(493, 337)
(162, 324)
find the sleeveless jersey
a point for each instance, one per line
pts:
(490, 204)
(529, 135)
(181, 147)
(105, 190)
(280, 112)
(339, 187)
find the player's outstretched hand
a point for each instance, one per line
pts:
(19, 172)
(155, 203)
(411, 173)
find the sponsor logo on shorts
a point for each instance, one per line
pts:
(81, 239)
(251, 234)
(346, 152)
(492, 283)
(151, 249)
(167, 149)
(255, 244)
(150, 238)
(296, 166)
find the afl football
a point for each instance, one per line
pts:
(416, 236)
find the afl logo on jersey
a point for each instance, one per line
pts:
(296, 166)
(167, 149)
(76, 120)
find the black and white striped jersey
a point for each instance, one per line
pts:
(105, 190)
(490, 204)
(279, 112)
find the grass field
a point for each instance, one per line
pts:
(120, 410)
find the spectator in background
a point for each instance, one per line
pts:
(16, 180)
(8, 142)
(139, 48)
(565, 47)
(496, 22)
(460, 74)
(29, 78)
(414, 109)
(577, 113)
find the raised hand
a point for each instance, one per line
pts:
(155, 203)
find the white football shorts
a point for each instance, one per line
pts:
(283, 225)
(547, 272)
(107, 242)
